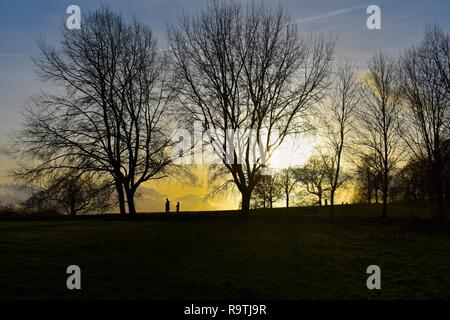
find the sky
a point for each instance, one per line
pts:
(23, 22)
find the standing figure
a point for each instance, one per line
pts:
(167, 205)
(178, 207)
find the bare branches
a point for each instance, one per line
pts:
(379, 120)
(337, 121)
(268, 190)
(108, 113)
(426, 90)
(313, 177)
(247, 68)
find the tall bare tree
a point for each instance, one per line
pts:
(289, 180)
(340, 111)
(379, 120)
(106, 116)
(247, 68)
(426, 86)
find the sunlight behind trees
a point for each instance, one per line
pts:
(268, 99)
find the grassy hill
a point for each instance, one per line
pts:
(274, 254)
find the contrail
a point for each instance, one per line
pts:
(13, 55)
(321, 16)
(331, 14)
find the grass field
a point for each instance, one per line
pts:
(299, 254)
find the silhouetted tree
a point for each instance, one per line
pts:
(39, 203)
(247, 68)
(426, 87)
(379, 122)
(367, 178)
(313, 177)
(337, 118)
(412, 183)
(106, 117)
(289, 178)
(268, 190)
(76, 192)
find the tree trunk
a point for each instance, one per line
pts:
(385, 195)
(121, 198)
(369, 190)
(385, 175)
(287, 199)
(439, 193)
(130, 201)
(245, 210)
(440, 199)
(332, 203)
(73, 211)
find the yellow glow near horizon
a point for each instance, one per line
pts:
(193, 190)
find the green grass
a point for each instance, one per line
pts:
(268, 256)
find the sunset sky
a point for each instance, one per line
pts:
(22, 22)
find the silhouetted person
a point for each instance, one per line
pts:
(167, 205)
(178, 207)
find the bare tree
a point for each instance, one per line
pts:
(426, 87)
(368, 178)
(268, 190)
(39, 203)
(74, 193)
(290, 180)
(345, 98)
(313, 177)
(246, 68)
(379, 121)
(412, 183)
(107, 114)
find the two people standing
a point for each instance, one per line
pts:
(168, 206)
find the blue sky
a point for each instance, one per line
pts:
(22, 22)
